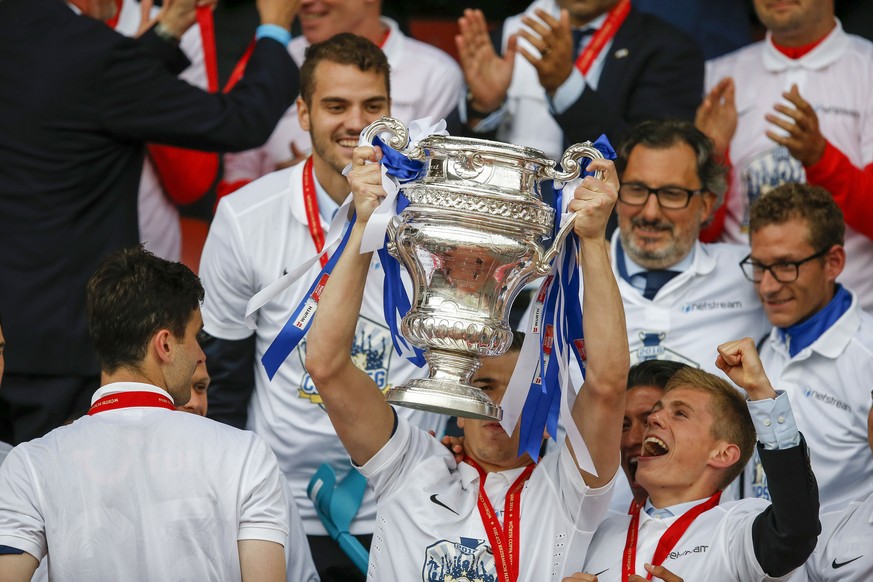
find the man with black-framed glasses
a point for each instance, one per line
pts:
(820, 350)
(682, 297)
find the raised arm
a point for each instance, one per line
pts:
(784, 534)
(361, 417)
(599, 408)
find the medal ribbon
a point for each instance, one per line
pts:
(210, 54)
(131, 400)
(313, 218)
(504, 540)
(668, 539)
(603, 35)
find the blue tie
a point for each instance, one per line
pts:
(656, 279)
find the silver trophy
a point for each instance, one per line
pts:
(471, 238)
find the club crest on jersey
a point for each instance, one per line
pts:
(371, 352)
(762, 173)
(466, 560)
(652, 349)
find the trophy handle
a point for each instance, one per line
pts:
(570, 162)
(395, 128)
(572, 168)
(391, 231)
(544, 264)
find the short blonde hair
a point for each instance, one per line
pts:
(732, 422)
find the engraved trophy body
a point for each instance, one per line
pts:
(471, 237)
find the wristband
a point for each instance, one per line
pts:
(472, 112)
(274, 31)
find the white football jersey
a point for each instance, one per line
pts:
(717, 547)
(141, 493)
(843, 551)
(828, 385)
(429, 528)
(836, 78)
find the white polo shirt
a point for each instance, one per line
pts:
(708, 304)
(828, 385)
(845, 546)
(429, 527)
(836, 78)
(425, 81)
(258, 233)
(716, 547)
(141, 493)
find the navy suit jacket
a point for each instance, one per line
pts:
(653, 70)
(77, 103)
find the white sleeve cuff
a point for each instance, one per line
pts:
(774, 422)
(568, 93)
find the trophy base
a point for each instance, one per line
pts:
(445, 397)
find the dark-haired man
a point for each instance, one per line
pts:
(269, 227)
(819, 351)
(134, 489)
(681, 297)
(698, 438)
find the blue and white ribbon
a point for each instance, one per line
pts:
(396, 169)
(298, 324)
(543, 371)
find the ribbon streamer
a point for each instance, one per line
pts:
(300, 321)
(542, 374)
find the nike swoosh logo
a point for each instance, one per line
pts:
(434, 499)
(841, 564)
(601, 572)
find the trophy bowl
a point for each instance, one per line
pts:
(471, 237)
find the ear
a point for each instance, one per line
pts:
(162, 343)
(724, 455)
(835, 262)
(708, 200)
(460, 422)
(302, 114)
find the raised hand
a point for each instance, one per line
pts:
(804, 140)
(177, 16)
(486, 73)
(553, 38)
(717, 115)
(365, 181)
(593, 201)
(740, 361)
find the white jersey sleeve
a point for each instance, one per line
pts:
(21, 522)
(264, 509)
(227, 276)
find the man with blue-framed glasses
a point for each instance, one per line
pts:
(819, 350)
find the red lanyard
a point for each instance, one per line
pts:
(210, 55)
(603, 35)
(131, 400)
(310, 203)
(668, 539)
(504, 540)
